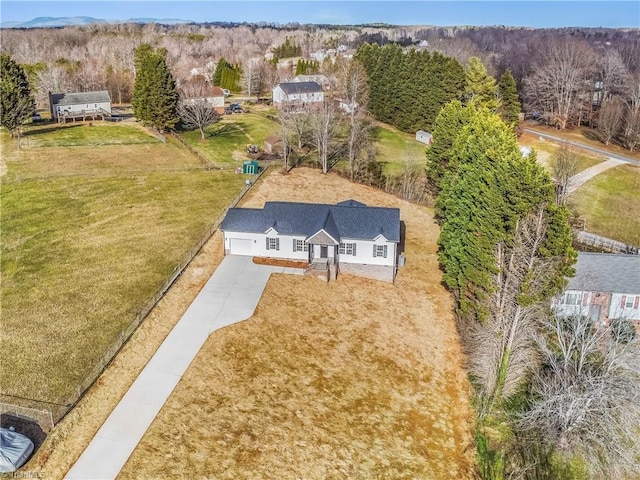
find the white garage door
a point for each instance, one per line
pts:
(241, 246)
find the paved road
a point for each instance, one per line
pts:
(230, 296)
(599, 151)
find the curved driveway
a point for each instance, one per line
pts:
(229, 296)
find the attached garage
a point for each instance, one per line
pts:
(240, 246)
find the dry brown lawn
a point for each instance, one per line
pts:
(348, 379)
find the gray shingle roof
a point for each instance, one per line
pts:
(300, 87)
(80, 98)
(607, 273)
(353, 221)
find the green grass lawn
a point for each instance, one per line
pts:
(396, 147)
(609, 203)
(81, 134)
(88, 236)
(226, 141)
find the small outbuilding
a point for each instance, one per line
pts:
(273, 145)
(424, 137)
(251, 167)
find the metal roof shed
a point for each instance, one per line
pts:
(251, 167)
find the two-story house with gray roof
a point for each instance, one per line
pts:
(348, 237)
(606, 286)
(79, 105)
(295, 95)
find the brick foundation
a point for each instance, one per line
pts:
(375, 272)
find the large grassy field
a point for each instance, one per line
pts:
(610, 203)
(353, 378)
(226, 141)
(89, 233)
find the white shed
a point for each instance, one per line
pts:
(424, 137)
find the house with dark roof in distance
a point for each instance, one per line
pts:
(297, 95)
(348, 237)
(80, 105)
(606, 286)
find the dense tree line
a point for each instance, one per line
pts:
(227, 75)
(596, 71)
(408, 89)
(288, 49)
(554, 397)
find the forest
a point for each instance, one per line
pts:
(595, 72)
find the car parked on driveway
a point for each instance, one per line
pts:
(226, 92)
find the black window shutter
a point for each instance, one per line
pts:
(385, 251)
(294, 245)
(354, 249)
(267, 243)
(374, 250)
(277, 244)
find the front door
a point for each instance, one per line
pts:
(324, 251)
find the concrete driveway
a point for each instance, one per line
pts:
(230, 296)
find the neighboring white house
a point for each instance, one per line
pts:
(348, 237)
(78, 104)
(214, 97)
(606, 286)
(296, 94)
(424, 137)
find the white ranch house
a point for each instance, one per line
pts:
(297, 94)
(348, 237)
(79, 105)
(606, 286)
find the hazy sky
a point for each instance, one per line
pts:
(544, 13)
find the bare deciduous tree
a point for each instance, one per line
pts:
(197, 113)
(252, 73)
(562, 76)
(502, 353)
(631, 128)
(564, 166)
(610, 119)
(355, 93)
(324, 123)
(586, 398)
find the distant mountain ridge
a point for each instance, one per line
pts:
(53, 22)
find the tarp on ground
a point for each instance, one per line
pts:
(15, 449)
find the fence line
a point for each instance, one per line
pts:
(206, 163)
(604, 243)
(124, 336)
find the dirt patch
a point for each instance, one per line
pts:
(278, 262)
(348, 379)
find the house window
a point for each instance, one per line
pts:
(273, 243)
(347, 249)
(572, 299)
(300, 245)
(629, 301)
(380, 251)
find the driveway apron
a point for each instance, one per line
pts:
(229, 296)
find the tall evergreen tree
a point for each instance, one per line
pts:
(408, 90)
(447, 127)
(16, 100)
(155, 98)
(480, 86)
(510, 107)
